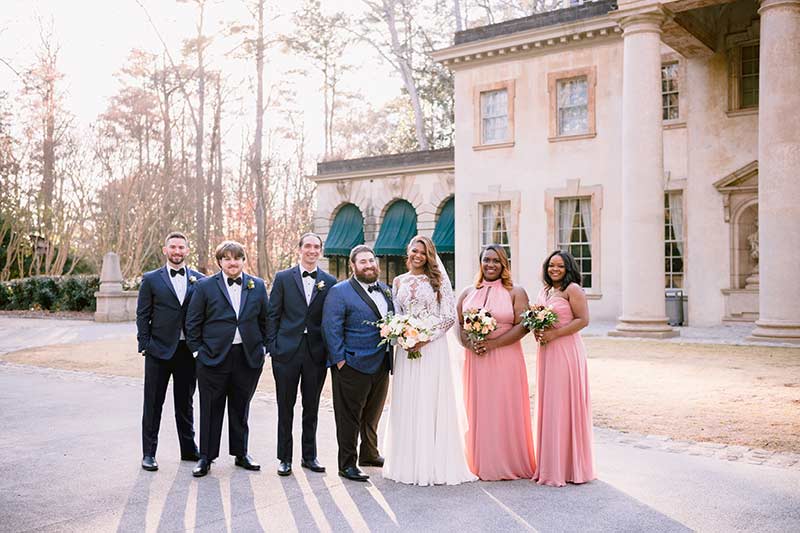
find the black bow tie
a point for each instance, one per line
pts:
(181, 271)
(374, 287)
(310, 274)
(231, 281)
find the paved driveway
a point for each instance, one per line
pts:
(70, 450)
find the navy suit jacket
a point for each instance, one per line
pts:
(160, 317)
(347, 334)
(211, 321)
(289, 315)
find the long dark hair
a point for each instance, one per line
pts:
(572, 273)
(431, 265)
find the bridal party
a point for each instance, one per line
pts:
(452, 364)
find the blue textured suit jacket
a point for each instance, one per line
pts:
(160, 317)
(211, 321)
(347, 334)
(289, 315)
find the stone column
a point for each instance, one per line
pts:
(642, 261)
(779, 172)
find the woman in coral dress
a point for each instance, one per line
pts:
(564, 413)
(499, 442)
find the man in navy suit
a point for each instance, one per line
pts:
(160, 318)
(226, 327)
(294, 342)
(359, 367)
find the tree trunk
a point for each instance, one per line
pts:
(404, 66)
(256, 161)
(200, 213)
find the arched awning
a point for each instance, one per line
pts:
(398, 227)
(347, 231)
(444, 235)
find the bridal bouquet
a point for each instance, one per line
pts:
(539, 317)
(404, 330)
(478, 323)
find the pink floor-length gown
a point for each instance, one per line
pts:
(499, 439)
(564, 411)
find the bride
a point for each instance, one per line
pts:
(424, 441)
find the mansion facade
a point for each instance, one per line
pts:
(656, 141)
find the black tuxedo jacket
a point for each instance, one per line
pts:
(289, 315)
(211, 321)
(160, 317)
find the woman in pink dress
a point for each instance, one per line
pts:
(499, 439)
(564, 420)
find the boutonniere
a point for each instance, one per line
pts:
(321, 285)
(250, 284)
(192, 279)
(387, 293)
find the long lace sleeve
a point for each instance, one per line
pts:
(398, 305)
(447, 310)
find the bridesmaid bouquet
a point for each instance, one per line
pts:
(539, 317)
(478, 324)
(404, 330)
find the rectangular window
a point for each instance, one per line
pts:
(494, 116)
(573, 106)
(669, 91)
(574, 233)
(673, 240)
(339, 266)
(494, 225)
(391, 266)
(748, 82)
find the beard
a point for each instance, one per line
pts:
(367, 275)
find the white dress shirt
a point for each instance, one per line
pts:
(376, 296)
(235, 292)
(308, 283)
(179, 284)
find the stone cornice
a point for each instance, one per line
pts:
(769, 4)
(384, 172)
(535, 41)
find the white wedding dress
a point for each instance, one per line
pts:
(424, 439)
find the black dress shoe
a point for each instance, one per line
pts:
(313, 465)
(202, 467)
(191, 456)
(284, 469)
(353, 474)
(377, 461)
(246, 462)
(149, 463)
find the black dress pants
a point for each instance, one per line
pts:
(300, 370)
(358, 400)
(156, 378)
(234, 381)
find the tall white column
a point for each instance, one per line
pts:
(642, 261)
(779, 172)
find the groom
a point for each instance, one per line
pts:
(294, 341)
(359, 367)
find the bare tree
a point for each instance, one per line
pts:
(321, 39)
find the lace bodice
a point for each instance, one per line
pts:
(413, 295)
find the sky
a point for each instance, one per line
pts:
(96, 37)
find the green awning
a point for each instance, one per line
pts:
(347, 231)
(444, 235)
(399, 226)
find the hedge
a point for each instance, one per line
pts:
(52, 293)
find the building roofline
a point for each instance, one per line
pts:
(440, 159)
(522, 39)
(587, 10)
